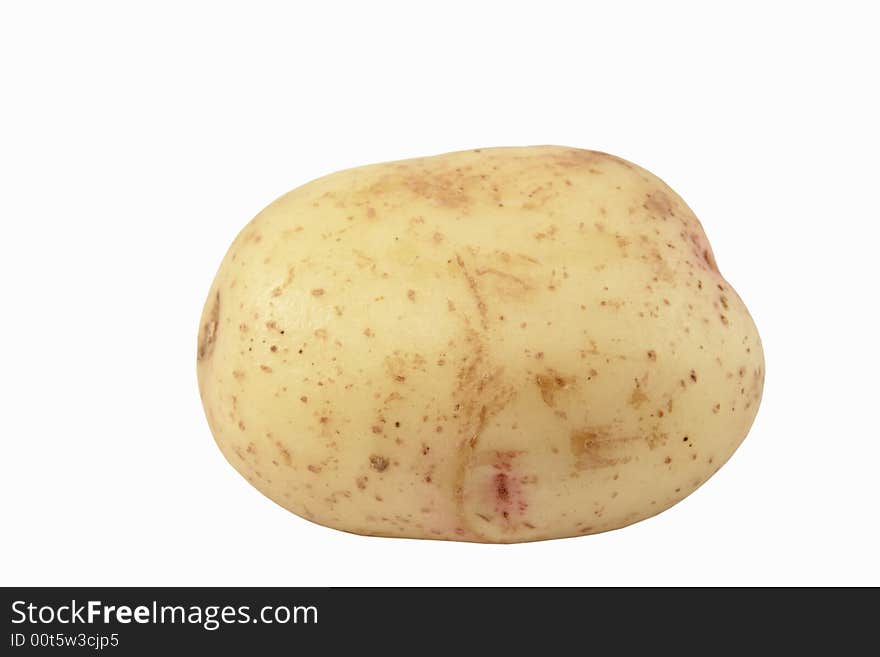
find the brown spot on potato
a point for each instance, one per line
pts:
(656, 439)
(411, 295)
(652, 355)
(442, 189)
(507, 285)
(709, 259)
(549, 233)
(318, 292)
(208, 334)
(475, 291)
(285, 454)
(658, 203)
(378, 463)
(638, 397)
(549, 383)
(598, 448)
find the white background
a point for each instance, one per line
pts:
(137, 138)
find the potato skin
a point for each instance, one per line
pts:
(496, 345)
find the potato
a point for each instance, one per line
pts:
(498, 345)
